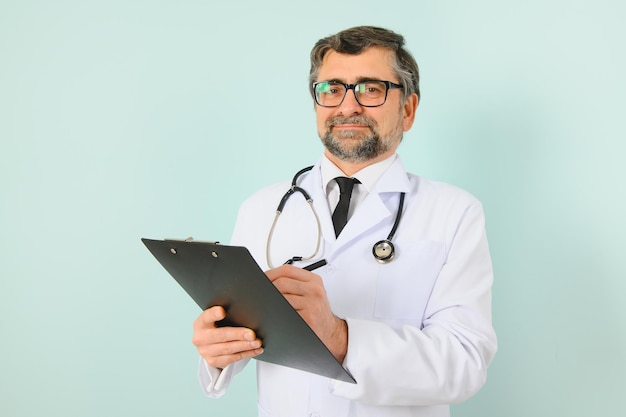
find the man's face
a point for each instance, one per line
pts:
(353, 133)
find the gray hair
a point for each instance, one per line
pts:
(355, 40)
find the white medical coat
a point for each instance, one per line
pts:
(419, 328)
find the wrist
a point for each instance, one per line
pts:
(339, 340)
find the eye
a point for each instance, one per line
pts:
(322, 87)
(334, 88)
(372, 88)
(329, 88)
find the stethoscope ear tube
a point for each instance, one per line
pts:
(292, 190)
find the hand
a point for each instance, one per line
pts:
(221, 346)
(305, 292)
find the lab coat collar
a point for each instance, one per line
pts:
(394, 180)
(379, 205)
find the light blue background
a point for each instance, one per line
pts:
(129, 119)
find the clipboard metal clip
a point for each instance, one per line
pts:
(191, 239)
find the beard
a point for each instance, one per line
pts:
(351, 146)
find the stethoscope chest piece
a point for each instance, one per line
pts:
(383, 251)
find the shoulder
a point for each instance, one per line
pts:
(256, 213)
(424, 188)
(447, 203)
(442, 190)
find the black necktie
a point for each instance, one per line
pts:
(340, 215)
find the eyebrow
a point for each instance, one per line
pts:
(358, 80)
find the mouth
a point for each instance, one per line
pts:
(350, 126)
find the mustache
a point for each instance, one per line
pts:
(357, 120)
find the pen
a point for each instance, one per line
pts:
(315, 265)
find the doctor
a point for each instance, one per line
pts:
(414, 331)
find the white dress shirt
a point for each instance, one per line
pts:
(367, 179)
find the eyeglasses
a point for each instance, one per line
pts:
(372, 93)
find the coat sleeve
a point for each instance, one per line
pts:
(213, 381)
(445, 360)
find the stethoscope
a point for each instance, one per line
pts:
(383, 250)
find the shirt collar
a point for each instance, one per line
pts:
(368, 176)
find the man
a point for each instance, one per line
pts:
(414, 331)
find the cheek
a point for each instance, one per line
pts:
(395, 120)
(384, 121)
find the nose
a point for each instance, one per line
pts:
(349, 106)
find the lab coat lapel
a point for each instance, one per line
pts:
(377, 206)
(371, 212)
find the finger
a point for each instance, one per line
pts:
(290, 286)
(209, 316)
(210, 336)
(290, 271)
(222, 354)
(229, 348)
(225, 360)
(298, 302)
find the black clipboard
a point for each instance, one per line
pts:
(214, 274)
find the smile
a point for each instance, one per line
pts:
(351, 126)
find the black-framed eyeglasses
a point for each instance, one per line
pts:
(371, 93)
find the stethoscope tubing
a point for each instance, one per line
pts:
(281, 205)
(379, 249)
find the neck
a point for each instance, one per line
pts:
(350, 168)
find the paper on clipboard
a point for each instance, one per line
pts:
(214, 274)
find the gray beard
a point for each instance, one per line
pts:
(365, 149)
(347, 146)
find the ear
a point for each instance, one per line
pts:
(409, 109)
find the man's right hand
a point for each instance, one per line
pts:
(221, 346)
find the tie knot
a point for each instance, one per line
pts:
(346, 184)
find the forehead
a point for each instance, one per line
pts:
(374, 63)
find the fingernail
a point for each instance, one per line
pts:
(249, 335)
(255, 344)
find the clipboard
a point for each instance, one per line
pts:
(214, 274)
